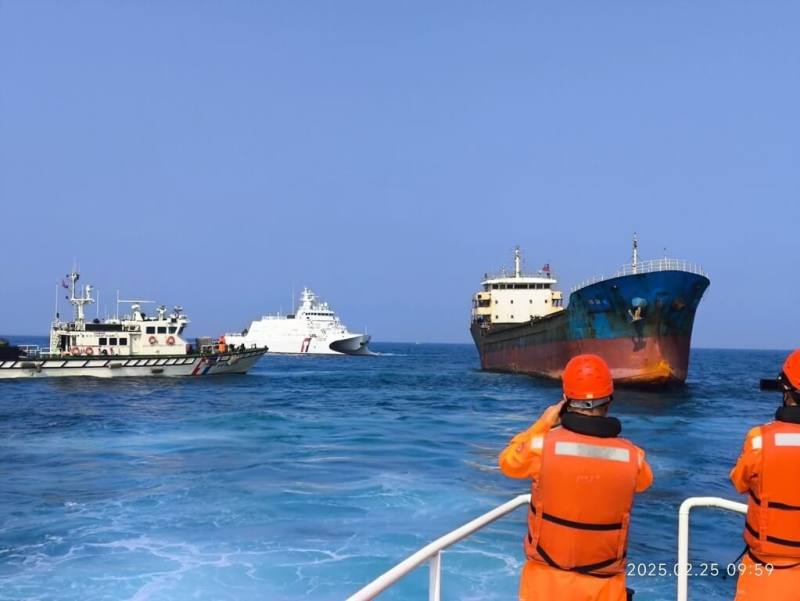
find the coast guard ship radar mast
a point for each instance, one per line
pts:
(78, 302)
(132, 345)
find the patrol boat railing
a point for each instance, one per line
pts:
(34, 351)
(433, 551)
(683, 534)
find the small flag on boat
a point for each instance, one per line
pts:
(546, 268)
(64, 283)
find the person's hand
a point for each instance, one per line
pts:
(553, 413)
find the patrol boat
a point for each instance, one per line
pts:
(314, 329)
(134, 345)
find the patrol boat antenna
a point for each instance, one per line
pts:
(635, 254)
(129, 345)
(79, 298)
(136, 308)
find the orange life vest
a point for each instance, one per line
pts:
(581, 503)
(773, 510)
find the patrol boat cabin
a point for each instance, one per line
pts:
(133, 345)
(134, 334)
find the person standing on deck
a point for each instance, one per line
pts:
(769, 471)
(583, 481)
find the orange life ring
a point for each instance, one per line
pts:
(152, 340)
(75, 351)
(89, 350)
(171, 340)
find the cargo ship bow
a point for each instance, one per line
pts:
(640, 321)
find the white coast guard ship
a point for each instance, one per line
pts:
(134, 345)
(313, 329)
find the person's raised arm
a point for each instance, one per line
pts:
(745, 467)
(522, 457)
(644, 479)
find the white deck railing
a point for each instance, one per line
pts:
(683, 534)
(34, 351)
(433, 551)
(652, 266)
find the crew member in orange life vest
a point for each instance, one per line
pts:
(769, 471)
(584, 478)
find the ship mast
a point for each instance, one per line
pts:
(77, 301)
(517, 263)
(635, 255)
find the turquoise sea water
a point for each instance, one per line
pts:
(312, 475)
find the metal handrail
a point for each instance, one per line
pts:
(433, 552)
(683, 534)
(651, 266)
(663, 264)
(34, 351)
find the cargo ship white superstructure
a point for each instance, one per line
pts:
(313, 329)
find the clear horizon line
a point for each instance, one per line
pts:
(467, 343)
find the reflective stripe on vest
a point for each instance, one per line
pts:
(784, 439)
(577, 449)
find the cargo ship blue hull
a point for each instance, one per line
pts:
(641, 324)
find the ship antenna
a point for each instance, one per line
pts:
(635, 257)
(517, 261)
(55, 313)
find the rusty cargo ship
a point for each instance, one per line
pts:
(640, 321)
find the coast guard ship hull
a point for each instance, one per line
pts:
(314, 329)
(651, 348)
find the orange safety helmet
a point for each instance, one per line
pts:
(791, 370)
(587, 378)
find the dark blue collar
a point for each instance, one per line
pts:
(591, 425)
(789, 415)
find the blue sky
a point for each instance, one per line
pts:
(219, 154)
